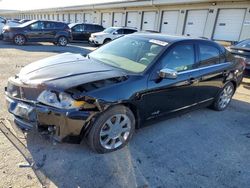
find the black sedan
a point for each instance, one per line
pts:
(82, 32)
(38, 31)
(104, 96)
(242, 49)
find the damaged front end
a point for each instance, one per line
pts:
(64, 114)
(46, 110)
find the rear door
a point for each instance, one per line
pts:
(49, 31)
(213, 70)
(165, 96)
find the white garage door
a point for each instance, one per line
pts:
(148, 22)
(79, 18)
(229, 24)
(87, 18)
(106, 19)
(195, 23)
(71, 18)
(60, 17)
(118, 17)
(169, 22)
(132, 19)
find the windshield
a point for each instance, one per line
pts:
(244, 44)
(129, 53)
(27, 23)
(109, 30)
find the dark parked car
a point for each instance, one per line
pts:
(82, 32)
(38, 31)
(242, 49)
(121, 86)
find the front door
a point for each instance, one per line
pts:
(34, 31)
(165, 96)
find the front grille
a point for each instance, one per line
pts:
(21, 92)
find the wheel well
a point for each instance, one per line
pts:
(62, 36)
(85, 130)
(21, 35)
(107, 39)
(135, 111)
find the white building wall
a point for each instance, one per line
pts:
(94, 13)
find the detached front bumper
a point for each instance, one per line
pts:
(64, 124)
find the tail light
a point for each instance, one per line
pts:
(68, 30)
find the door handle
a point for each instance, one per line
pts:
(193, 81)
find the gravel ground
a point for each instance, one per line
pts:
(203, 148)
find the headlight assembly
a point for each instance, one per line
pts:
(59, 100)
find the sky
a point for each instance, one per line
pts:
(39, 4)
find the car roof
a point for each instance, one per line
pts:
(170, 38)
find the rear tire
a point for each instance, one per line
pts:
(224, 98)
(19, 40)
(112, 130)
(62, 41)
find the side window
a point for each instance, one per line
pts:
(49, 25)
(37, 26)
(129, 31)
(180, 58)
(88, 27)
(59, 25)
(78, 28)
(209, 55)
(120, 31)
(99, 28)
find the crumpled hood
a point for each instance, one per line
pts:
(65, 71)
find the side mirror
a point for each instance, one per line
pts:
(115, 33)
(168, 73)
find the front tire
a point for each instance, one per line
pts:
(106, 41)
(62, 41)
(112, 130)
(224, 97)
(19, 40)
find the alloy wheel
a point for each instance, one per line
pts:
(226, 96)
(19, 40)
(115, 131)
(62, 41)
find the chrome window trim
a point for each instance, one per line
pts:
(202, 68)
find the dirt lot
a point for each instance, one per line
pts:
(203, 148)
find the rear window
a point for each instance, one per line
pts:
(59, 25)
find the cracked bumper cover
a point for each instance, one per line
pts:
(66, 123)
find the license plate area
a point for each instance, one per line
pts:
(21, 109)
